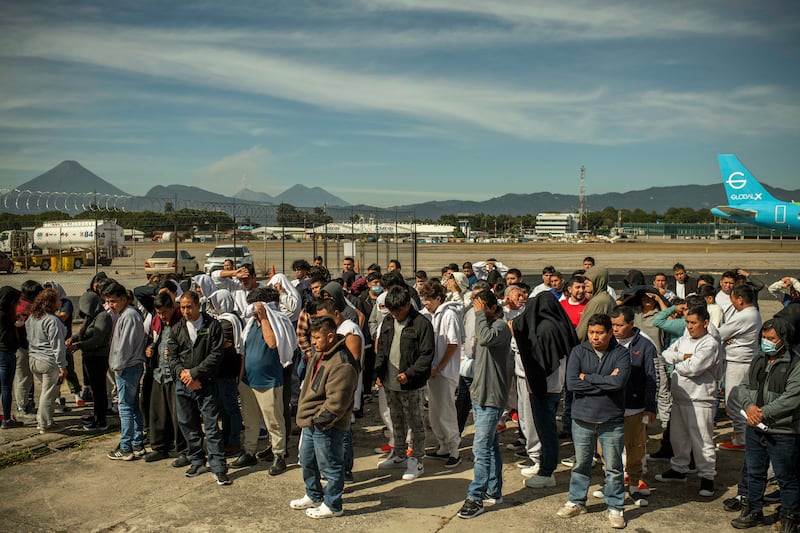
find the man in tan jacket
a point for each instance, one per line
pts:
(323, 413)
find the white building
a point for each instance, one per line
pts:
(556, 224)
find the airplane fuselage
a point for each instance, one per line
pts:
(780, 216)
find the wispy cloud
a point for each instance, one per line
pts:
(250, 164)
(592, 116)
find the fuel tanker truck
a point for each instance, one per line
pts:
(64, 244)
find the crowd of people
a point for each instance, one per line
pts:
(200, 369)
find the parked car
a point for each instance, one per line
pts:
(163, 262)
(240, 255)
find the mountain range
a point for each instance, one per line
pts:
(72, 177)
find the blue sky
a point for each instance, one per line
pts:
(400, 101)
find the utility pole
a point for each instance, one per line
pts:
(582, 200)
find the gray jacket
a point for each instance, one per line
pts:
(128, 341)
(46, 340)
(490, 383)
(780, 386)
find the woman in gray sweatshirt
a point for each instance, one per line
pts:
(47, 352)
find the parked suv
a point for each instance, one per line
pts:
(238, 254)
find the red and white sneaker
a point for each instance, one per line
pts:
(641, 488)
(386, 448)
(731, 446)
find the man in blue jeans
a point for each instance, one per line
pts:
(323, 413)
(489, 396)
(126, 361)
(597, 372)
(194, 352)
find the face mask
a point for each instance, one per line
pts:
(376, 289)
(768, 347)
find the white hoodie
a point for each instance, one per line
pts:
(448, 328)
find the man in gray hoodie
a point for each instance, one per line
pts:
(126, 361)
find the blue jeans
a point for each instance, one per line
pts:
(130, 415)
(227, 391)
(323, 452)
(784, 452)
(8, 367)
(488, 470)
(190, 406)
(585, 436)
(544, 418)
(349, 459)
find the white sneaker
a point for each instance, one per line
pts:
(303, 503)
(540, 482)
(323, 511)
(414, 469)
(599, 493)
(392, 461)
(530, 471)
(616, 519)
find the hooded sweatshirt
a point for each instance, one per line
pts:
(342, 305)
(9, 296)
(46, 336)
(601, 301)
(128, 341)
(66, 304)
(544, 337)
(94, 337)
(448, 329)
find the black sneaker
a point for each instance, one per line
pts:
(11, 423)
(221, 477)
(660, 455)
(453, 462)
(733, 505)
(434, 454)
(748, 521)
(521, 454)
(470, 509)
(266, 455)
(139, 451)
(195, 470)
(119, 455)
(278, 466)
(96, 426)
(180, 461)
(349, 478)
(671, 476)
(155, 455)
(87, 419)
(245, 459)
(706, 487)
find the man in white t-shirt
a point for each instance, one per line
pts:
(448, 331)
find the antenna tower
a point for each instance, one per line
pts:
(582, 200)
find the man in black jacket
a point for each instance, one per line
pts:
(194, 351)
(403, 361)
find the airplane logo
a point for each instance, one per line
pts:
(751, 203)
(737, 184)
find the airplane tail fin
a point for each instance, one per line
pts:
(740, 185)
